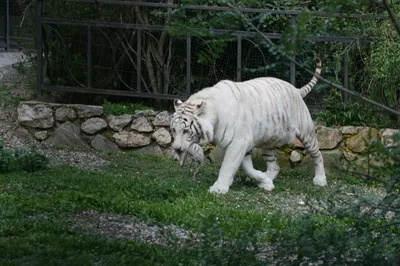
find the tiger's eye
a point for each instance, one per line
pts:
(185, 131)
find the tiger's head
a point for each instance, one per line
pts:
(186, 127)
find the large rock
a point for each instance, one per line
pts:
(333, 161)
(151, 149)
(162, 119)
(358, 143)
(22, 133)
(145, 113)
(93, 125)
(125, 139)
(349, 130)
(64, 114)
(216, 154)
(101, 143)
(387, 137)
(349, 156)
(67, 134)
(295, 157)
(142, 124)
(41, 135)
(328, 138)
(37, 116)
(297, 143)
(87, 111)
(281, 157)
(162, 137)
(170, 152)
(117, 123)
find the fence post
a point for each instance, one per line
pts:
(139, 61)
(89, 56)
(293, 19)
(7, 25)
(346, 74)
(239, 59)
(39, 52)
(188, 63)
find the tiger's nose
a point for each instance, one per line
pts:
(177, 147)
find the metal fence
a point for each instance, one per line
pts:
(10, 17)
(136, 84)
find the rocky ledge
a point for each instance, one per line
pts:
(86, 126)
(147, 131)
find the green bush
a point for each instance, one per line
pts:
(21, 160)
(385, 170)
(351, 113)
(310, 239)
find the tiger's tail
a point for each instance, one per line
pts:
(307, 88)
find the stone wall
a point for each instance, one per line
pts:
(147, 131)
(85, 126)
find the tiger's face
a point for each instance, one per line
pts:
(185, 131)
(184, 136)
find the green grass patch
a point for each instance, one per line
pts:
(36, 229)
(21, 160)
(123, 108)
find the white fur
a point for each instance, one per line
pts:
(239, 116)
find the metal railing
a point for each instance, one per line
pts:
(6, 26)
(139, 28)
(10, 14)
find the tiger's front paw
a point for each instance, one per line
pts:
(320, 180)
(218, 189)
(267, 185)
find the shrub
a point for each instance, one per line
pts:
(21, 160)
(351, 113)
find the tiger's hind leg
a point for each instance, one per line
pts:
(310, 142)
(269, 157)
(260, 177)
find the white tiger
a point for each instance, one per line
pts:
(263, 112)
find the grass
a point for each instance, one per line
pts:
(123, 108)
(35, 228)
(5, 96)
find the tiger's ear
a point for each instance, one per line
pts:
(177, 103)
(200, 107)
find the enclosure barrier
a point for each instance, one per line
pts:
(139, 28)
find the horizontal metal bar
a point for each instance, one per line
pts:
(222, 8)
(113, 92)
(144, 27)
(17, 38)
(163, 28)
(103, 24)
